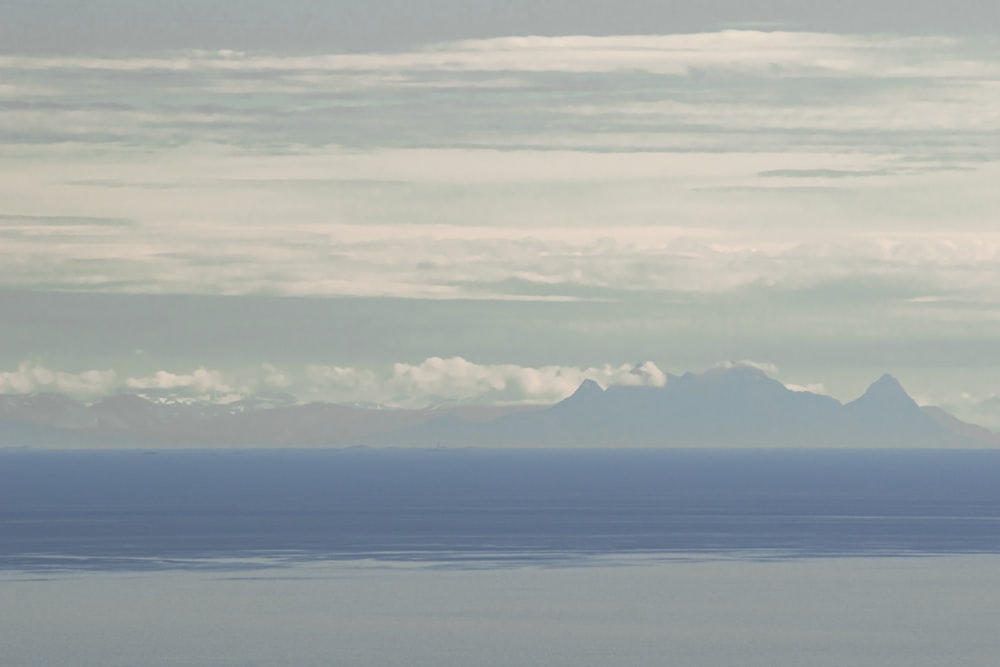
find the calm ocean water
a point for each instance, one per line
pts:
(121, 509)
(492, 558)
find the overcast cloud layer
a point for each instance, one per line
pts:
(813, 188)
(533, 167)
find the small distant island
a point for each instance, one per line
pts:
(733, 407)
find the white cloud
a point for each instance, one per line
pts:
(764, 366)
(434, 381)
(31, 378)
(773, 372)
(201, 381)
(437, 381)
(275, 378)
(266, 382)
(813, 388)
(202, 384)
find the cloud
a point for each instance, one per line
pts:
(432, 382)
(772, 371)
(574, 168)
(274, 378)
(31, 378)
(486, 262)
(200, 380)
(742, 50)
(821, 173)
(764, 366)
(266, 382)
(35, 221)
(813, 388)
(929, 83)
(438, 381)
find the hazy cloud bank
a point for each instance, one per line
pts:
(433, 382)
(438, 381)
(935, 270)
(31, 378)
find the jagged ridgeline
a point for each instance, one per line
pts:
(739, 406)
(732, 407)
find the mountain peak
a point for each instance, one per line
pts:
(586, 397)
(884, 396)
(886, 387)
(887, 379)
(588, 386)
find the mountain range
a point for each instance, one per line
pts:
(738, 406)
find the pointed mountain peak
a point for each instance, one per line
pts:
(887, 380)
(588, 386)
(885, 387)
(886, 392)
(586, 396)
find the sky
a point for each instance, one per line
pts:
(473, 201)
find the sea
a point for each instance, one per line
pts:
(472, 557)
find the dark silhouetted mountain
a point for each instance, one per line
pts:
(738, 406)
(125, 420)
(886, 413)
(962, 428)
(46, 409)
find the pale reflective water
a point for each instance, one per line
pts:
(884, 612)
(387, 558)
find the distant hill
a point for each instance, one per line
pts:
(55, 420)
(738, 406)
(732, 407)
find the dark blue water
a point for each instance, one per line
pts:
(119, 509)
